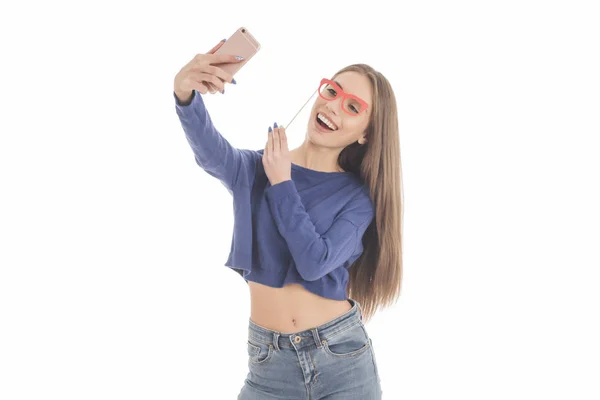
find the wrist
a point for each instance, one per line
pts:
(278, 181)
(184, 98)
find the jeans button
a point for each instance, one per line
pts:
(297, 339)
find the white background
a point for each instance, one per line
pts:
(113, 240)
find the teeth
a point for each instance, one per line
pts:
(326, 121)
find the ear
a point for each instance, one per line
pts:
(362, 140)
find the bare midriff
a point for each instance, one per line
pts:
(292, 308)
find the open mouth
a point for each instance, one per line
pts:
(325, 123)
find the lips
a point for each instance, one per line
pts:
(329, 118)
(322, 130)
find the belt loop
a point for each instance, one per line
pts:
(359, 309)
(276, 340)
(316, 337)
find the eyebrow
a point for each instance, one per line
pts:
(339, 85)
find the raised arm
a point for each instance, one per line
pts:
(212, 151)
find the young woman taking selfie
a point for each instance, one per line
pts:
(317, 233)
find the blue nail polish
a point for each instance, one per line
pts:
(223, 92)
(234, 82)
(270, 130)
(275, 124)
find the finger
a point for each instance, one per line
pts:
(200, 87)
(270, 141)
(199, 77)
(220, 73)
(212, 79)
(205, 87)
(211, 87)
(283, 138)
(276, 141)
(216, 47)
(223, 58)
(266, 152)
(216, 71)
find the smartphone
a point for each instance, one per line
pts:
(241, 43)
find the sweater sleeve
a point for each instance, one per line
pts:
(212, 152)
(316, 255)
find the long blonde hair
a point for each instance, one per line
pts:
(376, 276)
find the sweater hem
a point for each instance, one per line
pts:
(276, 279)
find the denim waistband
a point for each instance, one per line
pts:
(310, 336)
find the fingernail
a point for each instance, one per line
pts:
(270, 130)
(224, 40)
(223, 92)
(239, 58)
(234, 82)
(275, 124)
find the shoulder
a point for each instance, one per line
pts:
(361, 193)
(359, 208)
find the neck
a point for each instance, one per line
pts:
(318, 158)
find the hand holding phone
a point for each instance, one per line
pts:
(202, 74)
(208, 72)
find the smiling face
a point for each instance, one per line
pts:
(347, 128)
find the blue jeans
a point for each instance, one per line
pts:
(333, 361)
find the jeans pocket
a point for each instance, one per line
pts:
(349, 343)
(259, 353)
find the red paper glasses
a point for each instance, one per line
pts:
(353, 105)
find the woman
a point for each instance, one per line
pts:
(317, 233)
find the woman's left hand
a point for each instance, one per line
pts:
(276, 158)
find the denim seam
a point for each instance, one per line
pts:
(336, 333)
(314, 367)
(256, 349)
(354, 353)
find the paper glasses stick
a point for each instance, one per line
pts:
(288, 125)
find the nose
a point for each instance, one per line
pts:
(334, 105)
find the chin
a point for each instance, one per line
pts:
(315, 135)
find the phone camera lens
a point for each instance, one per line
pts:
(243, 31)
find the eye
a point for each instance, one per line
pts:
(331, 91)
(354, 109)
